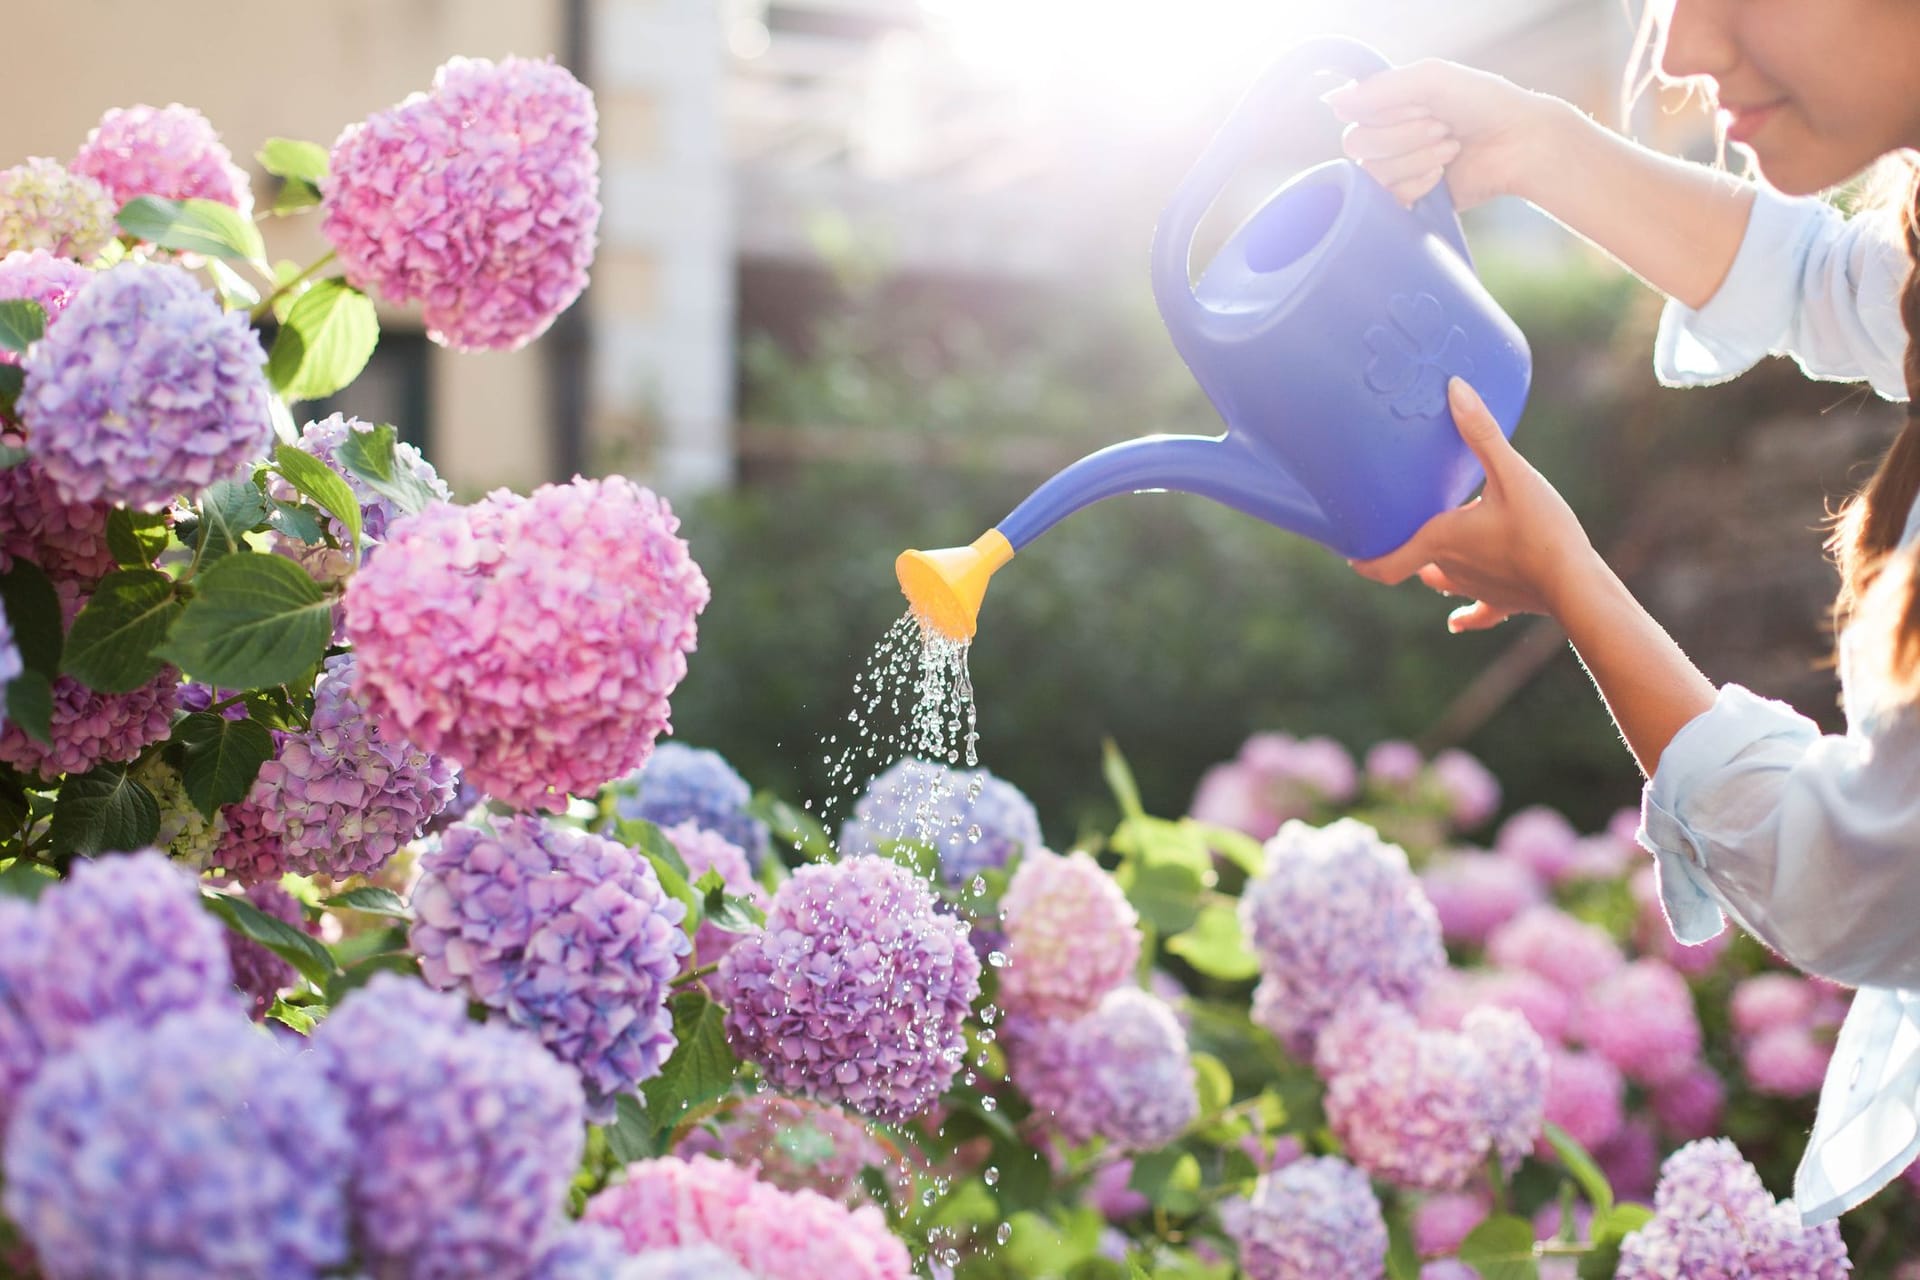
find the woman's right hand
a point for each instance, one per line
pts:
(1410, 126)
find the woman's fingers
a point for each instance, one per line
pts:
(1477, 427)
(1365, 142)
(1396, 89)
(1415, 554)
(1478, 616)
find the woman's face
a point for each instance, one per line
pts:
(1816, 89)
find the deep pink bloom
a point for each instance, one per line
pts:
(1642, 1020)
(1769, 1000)
(170, 151)
(1071, 936)
(1570, 953)
(1442, 1220)
(92, 728)
(68, 540)
(1787, 1061)
(42, 278)
(1586, 1096)
(1689, 1106)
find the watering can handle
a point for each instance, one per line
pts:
(1173, 236)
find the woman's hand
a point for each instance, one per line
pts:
(1410, 126)
(1517, 548)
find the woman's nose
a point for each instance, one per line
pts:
(1699, 39)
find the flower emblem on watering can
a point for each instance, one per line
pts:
(1413, 354)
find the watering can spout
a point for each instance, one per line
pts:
(944, 587)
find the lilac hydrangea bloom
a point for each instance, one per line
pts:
(323, 439)
(1071, 936)
(694, 1262)
(20, 1051)
(703, 851)
(260, 974)
(973, 820)
(581, 1251)
(533, 641)
(90, 728)
(680, 784)
(1643, 1021)
(68, 540)
(45, 205)
(171, 151)
(1689, 1107)
(44, 279)
(1713, 1217)
(465, 1135)
(479, 200)
(1336, 914)
(1120, 1072)
(144, 390)
(196, 1146)
(855, 991)
(568, 934)
(343, 794)
(1313, 1220)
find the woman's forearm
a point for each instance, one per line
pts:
(1675, 224)
(1649, 685)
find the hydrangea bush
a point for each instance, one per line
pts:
(356, 921)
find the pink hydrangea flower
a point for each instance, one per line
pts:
(1570, 953)
(68, 540)
(856, 989)
(1714, 1217)
(704, 850)
(1689, 1106)
(1394, 763)
(1336, 914)
(245, 848)
(1473, 794)
(1072, 936)
(1120, 1072)
(1654, 935)
(1787, 1061)
(323, 439)
(1276, 778)
(172, 151)
(1476, 893)
(1541, 839)
(479, 200)
(792, 1235)
(1312, 1220)
(42, 278)
(1769, 1000)
(533, 641)
(46, 206)
(1643, 1021)
(1442, 1220)
(1456, 992)
(1586, 1096)
(799, 1145)
(90, 728)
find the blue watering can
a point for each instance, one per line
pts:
(1324, 333)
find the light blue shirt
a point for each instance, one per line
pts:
(1810, 842)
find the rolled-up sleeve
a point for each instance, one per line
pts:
(1807, 282)
(1810, 842)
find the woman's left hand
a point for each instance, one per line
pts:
(1511, 550)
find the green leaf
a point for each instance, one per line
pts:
(731, 913)
(256, 620)
(194, 226)
(361, 972)
(22, 321)
(1215, 946)
(1166, 896)
(1593, 1182)
(294, 195)
(235, 290)
(321, 483)
(33, 611)
(630, 1137)
(228, 509)
(370, 455)
(373, 900)
(298, 522)
(291, 158)
(298, 1016)
(329, 334)
(104, 811)
(1168, 1177)
(26, 880)
(30, 705)
(136, 538)
(290, 942)
(221, 758)
(1501, 1248)
(110, 647)
(1213, 1082)
(795, 828)
(1113, 766)
(12, 382)
(1403, 1260)
(922, 859)
(701, 1069)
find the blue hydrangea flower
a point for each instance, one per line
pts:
(568, 934)
(197, 1146)
(680, 784)
(465, 1135)
(973, 820)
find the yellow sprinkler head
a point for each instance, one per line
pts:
(945, 587)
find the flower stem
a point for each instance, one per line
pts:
(692, 976)
(265, 306)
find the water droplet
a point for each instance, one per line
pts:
(991, 1175)
(989, 1103)
(998, 959)
(1005, 1233)
(979, 885)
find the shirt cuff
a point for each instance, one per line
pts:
(1749, 314)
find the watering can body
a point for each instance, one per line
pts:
(1324, 333)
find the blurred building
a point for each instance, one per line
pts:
(744, 143)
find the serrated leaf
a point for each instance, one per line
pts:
(292, 158)
(730, 913)
(228, 509)
(321, 483)
(373, 900)
(290, 942)
(104, 811)
(297, 1016)
(1501, 1248)
(370, 455)
(255, 620)
(326, 340)
(27, 880)
(1593, 1182)
(1215, 946)
(22, 322)
(193, 226)
(220, 758)
(297, 522)
(702, 1068)
(136, 538)
(30, 705)
(33, 612)
(111, 646)
(630, 1137)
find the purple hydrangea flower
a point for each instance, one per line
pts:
(1335, 915)
(1476, 893)
(172, 151)
(855, 991)
(90, 728)
(703, 851)
(45, 205)
(20, 1051)
(1714, 1217)
(465, 1135)
(1425, 1109)
(1568, 952)
(680, 784)
(798, 1145)
(323, 439)
(972, 820)
(68, 540)
(196, 1146)
(1313, 1220)
(41, 278)
(1120, 1072)
(343, 794)
(579, 1251)
(568, 934)
(1643, 1021)
(1473, 794)
(144, 390)
(244, 848)
(1071, 936)
(694, 1262)
(532, 641)
(479, 200)
(1689, 1107)
(260, 974)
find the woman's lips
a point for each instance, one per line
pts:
(1744, 122)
